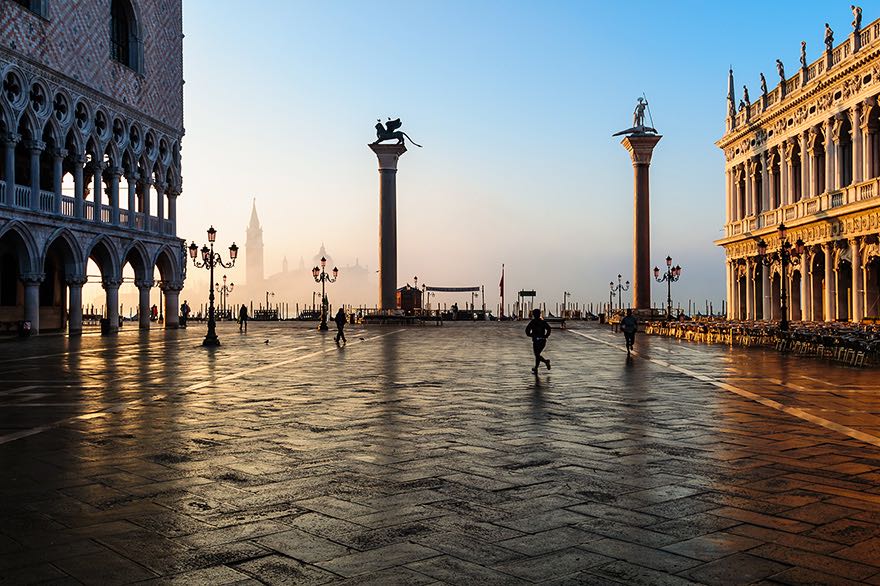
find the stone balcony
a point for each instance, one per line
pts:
(54, 204)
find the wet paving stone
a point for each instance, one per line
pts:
(432, 455)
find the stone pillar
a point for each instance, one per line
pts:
(58, 176)
(858, 284)
(735, 204)
(78, 185)
(791, 195)
(805, 166)
(765, 181)
(9, 141)
(729, 289)
(830, 300)
(172, 209)
(750, 189)
(766, 292)
(146, 183)
(172, 305)
(74, 309)
(31, 282)
(830, 181)
(641, 148)
(160, 208)
(783, 173)
(388, 155)
(144, 303)
(750, 289)
(98, 169)
(814, 164)
(35, 147)
(856, 124)
(805, 288)
(111, 289)
(867, 143)
(115, 173)
(132, 178)
(728, 193)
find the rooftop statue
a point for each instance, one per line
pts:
(746, 95)
(804, 54)
(780, 69)
(763, 85)
(638, 126)
(829, 38)
(389, 131)
(857, 17)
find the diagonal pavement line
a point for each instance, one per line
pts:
(793, 411)
(119, 407)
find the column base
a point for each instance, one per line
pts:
(211, 341)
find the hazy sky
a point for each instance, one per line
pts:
(515, 104)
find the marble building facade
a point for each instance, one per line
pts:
(91, 122)
(806, 153)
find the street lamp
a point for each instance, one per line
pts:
(619, 288)
(672, 274)
(322, 277)
(210, 259)
(272, 293)
(224, 294)
(785, 256)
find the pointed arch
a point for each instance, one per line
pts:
(167, 261)
(105, 254)
(23, 241)
(69, 249)
(137, 256)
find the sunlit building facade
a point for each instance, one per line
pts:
(91, 121)
(806, 154)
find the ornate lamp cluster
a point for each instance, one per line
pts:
(619, 288)
(322, 277)
(211, 259)
(224, 292)
(672, 274)
(786, 255)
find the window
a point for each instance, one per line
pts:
(38, 6)
(125, 44)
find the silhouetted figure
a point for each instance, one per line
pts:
(630, 325)
(538, 330)
(184, 313)
(154, 313)
(243, 319)
(340, 325)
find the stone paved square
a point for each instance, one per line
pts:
(432, 455)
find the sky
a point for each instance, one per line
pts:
(515, 103)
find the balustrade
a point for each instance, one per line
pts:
(67, 206)
(22, 196)
(89, 210)
(47, 201)
(2, 192)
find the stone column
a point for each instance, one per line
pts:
(750, 189)
(172, 305)
(867, 143)
(160, 208)
(388, 155)
(115, 173)
(111, 289)
(78, 185)
(765, 181)
(814, 164)
(57, 176)
(74, 309)
(735, 191)
(783, 173)
(132, 178)
(9, 141)
(144, 303)
(31, 282)
(830, 300)
(641, 148)
(35, 147)
(805, 288)
(728, 193)
(172, 209)
(830, 181)
(750, 289)
(765, 292)
(146, 183)
(98, 169)
(857, 280)
(791, 196)
(729, 289)
(805, 166)
(856, 143)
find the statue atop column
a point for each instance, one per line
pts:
(638, 126)
(829, 38)
(857, 17)
(389, 131)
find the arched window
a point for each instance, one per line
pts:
(125, 42)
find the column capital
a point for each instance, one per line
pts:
(171, 286)
(144, 283)
(97, 165)
(35, 146)
(76, 281)
(59, 153)
(10, 138)
(116, 171)
(32, 278)
(388, 154)
(110, 283)
(641, 147)
(160, 187)
(173, 192)
(79, 159)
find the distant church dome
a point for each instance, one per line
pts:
(322, 253)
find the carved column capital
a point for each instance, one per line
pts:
(76, 281)
(59, 153)
(111, 283)
(11, 138)
(144, 283)
(35, 146)
(171, 286)
(116, 171)
(32, 278)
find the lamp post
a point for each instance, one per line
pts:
(272, 293)
(565, 296)
(785, 256)
(619, 288)
(210, 259)
(224, 294)
(322, 277)
(672, 274)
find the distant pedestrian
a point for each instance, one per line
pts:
(154, 313)
(538, 330)
(243, 318)
(630, 325)
(184, 313)
(340, 325)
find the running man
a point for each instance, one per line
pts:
(243, 318)
(340, 325)
(538, 330)
(629, 324)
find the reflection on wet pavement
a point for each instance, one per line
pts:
(418, 455)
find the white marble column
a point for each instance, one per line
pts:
(144, 303)
(750, 189)
(856, 143)
(31, 282)
(74, 308)
(111, 289)
(813, 185)
(172, 305)
(765, 181)
(791, 195)
(783, 173)
(830, 172)
(858, 284)
(805, 167)
(830, 300)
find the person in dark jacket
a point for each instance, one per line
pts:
(630, 326)
(243, 318)
(538, 330)
(340, 325)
